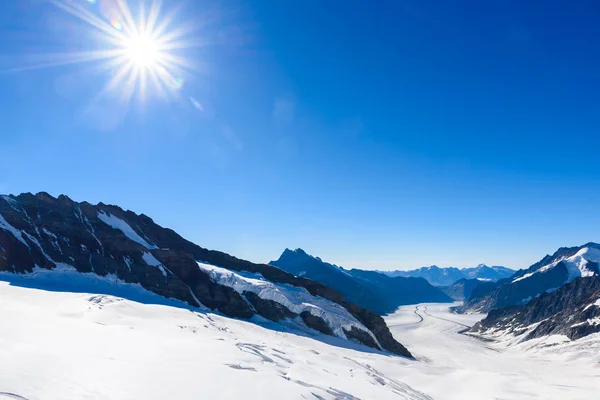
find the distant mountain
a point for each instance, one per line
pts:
(461, 289)
(573, 310)
(447, 276)
(484, 273)
(40, 234)
(370, 289)
(548, 274)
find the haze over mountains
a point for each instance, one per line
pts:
(547, 275)
(370, 289)
(99, 274)
(447, 276)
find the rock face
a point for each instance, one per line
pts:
(40, 231)
(447, 276)
(377, 292)
(573, 310)
(550, 273)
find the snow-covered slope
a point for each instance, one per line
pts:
(43, 233)
(460, 367)
(297, 300)
(547, 275)
(583, 263)
(82, 338)
(57, 344)
(571, 311)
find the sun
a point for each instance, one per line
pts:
(143, 51)
(135, 42)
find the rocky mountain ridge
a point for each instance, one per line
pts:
(370, 289)
(573, 310)
(548, 274)
(447, 276)
(43, 232)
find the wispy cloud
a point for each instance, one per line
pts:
(284, 111)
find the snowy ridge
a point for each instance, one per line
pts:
(12, 230)
(577, 264)
(296, 299)
(119, 224)
(153, 262)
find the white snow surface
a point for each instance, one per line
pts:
(118, 223)
(458, 366)
(296, 299)
(152, 261)
(576, 264)
(12, 230)
(60, 344)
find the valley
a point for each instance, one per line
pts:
(457, 366)
(58, 344)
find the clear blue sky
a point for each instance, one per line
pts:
(383, 135)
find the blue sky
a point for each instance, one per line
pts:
(379, 135)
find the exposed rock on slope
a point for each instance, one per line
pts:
(548, 274)
(40, 231)
(573, 310)
(375, 291)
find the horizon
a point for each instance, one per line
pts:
(386, 138)
(294, 249)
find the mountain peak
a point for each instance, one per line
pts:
(108, 243)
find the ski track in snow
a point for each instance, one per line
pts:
(131, 350)
(11, 396)
(465, 367)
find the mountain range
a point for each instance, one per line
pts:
(547, 275)
(373, 290)
(40, 233)
(461, 289)
(573, 310)
(447, 276)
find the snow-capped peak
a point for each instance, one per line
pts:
(577, 264)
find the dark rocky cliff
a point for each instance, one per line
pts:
(40, 231)
(573, 310)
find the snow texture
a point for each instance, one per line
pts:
(12, 230)
(576, 264)
(296, 299)
(153, 262)
(117, 223)
(98, 343)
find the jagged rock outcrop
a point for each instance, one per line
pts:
(548, 274)
(375, 291)
(573, 310)
(40, 231)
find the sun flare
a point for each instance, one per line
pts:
(140, 46)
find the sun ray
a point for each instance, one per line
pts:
(86, 16)
(139, 44)
(61, 59)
